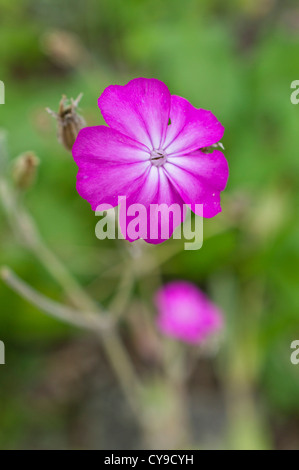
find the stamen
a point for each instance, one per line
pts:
(158, 157)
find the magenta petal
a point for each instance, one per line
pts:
(110, 165)
(149, 160)
(139, 109)
(186, 313)
(155, 189)
(199, 178)
(102, 144)
(190, 128)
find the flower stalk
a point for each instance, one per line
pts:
(25, 227)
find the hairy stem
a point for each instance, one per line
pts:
(90, 321)
(23, 223)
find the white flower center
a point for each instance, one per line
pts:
(158, 157)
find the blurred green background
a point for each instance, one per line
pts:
(237, 58)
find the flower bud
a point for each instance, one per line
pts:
(69, 121)
(24, 170)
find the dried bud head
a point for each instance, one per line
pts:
(24, 170)
(68, 120)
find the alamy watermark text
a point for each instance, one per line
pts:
(2, 353)
(2, 93)
(295, 93)
(152, 222)
(295, 353)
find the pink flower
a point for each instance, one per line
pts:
(185, 313)
(151, 153)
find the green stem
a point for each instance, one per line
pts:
(90, 320)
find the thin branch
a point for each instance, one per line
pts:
(28, 233)
(90, 321)
(24, 224)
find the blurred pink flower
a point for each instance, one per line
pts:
(151, 153)
(186, 313)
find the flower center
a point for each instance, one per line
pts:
(158, 157)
